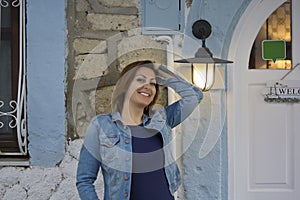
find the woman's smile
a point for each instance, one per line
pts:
(144, 93)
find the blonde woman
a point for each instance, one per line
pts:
(131, 145)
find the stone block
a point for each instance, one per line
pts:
(112, 22)
(103, 99)
(81, 128)
(16, 192)
(2, 190)
(141, 54)
(74, 147)
(139, 47)
(90, 66)
(118, 3)
(36, 183)
(86, 46)
(66, 190)
(69, 166)
(82, 5)
(40, 182)
(9, 176)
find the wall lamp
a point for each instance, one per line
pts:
(203, 64)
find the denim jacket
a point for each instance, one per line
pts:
(107, 145)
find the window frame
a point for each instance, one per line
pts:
(14, 145)
(256, 47)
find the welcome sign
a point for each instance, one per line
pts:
(282, 91)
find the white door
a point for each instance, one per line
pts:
(264, 138)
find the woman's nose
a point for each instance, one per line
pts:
(147, 85)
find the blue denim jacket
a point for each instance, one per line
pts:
(107, 145)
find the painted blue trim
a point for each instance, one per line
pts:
(46, 52)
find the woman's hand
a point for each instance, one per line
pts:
(163, 74)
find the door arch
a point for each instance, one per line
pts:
(241, 82)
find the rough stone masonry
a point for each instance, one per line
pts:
(55, 183)
(36, 183)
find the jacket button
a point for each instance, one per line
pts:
(127, 141)
(126, 178)
(124, 126)
(125, 195)
(127, 158)
(110, 143)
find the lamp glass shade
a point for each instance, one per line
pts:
(203, 75)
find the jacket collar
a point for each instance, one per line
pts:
(116, 116)
(158, 118)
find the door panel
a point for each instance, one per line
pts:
(270, 144)
(267, 145)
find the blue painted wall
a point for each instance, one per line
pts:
(207, 178)
(46, 52)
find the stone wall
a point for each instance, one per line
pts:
(103, 37)
(38, 183)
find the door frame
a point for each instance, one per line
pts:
(239, 51)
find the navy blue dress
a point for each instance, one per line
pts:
(149, 180)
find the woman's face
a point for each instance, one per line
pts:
(142, 89)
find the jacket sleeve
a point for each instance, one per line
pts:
(88, 165)
(190, 98)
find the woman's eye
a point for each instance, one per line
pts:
(143, 81)
(140, 80)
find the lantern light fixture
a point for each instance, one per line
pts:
(203, 65)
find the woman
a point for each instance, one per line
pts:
(131, 145)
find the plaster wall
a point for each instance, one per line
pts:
(206, 168)
(46, 53)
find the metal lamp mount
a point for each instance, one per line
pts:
(201, 29)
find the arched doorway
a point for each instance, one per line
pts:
(263, 138)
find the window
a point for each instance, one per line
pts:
(162, 16)
(13, 136)
(277, 27)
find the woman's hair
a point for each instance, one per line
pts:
(124, 81)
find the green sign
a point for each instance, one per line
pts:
(273, 50)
